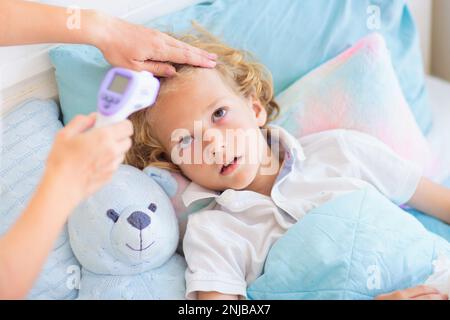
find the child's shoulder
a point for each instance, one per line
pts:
(343, 146)
(339, 137)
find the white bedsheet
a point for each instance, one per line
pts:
(439, 135)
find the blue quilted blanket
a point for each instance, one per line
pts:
(356, 246)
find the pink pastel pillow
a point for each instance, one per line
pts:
(357, 90)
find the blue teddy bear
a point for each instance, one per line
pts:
(125, 236)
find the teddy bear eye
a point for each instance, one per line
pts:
(152, 207)
(113, 215)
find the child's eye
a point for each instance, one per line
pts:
(185, 141)
(218, 114)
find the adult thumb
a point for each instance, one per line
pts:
(80, 124)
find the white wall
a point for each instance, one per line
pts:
(422, 14)
(433, 22)
(440, 53)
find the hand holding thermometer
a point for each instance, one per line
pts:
(123, 92)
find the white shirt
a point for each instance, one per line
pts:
(226, 243)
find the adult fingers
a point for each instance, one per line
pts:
(113, 154)
(124, 145)
(435, 296)
(183, 55)
(120, 130)
(160, 69)
(420, 290)
(80, 124)
(118, 162)
(107, 168)
(182, 45)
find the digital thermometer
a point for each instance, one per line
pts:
(123, 92)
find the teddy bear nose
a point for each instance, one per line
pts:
(139, 220)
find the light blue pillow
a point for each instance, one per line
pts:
(290, 37)
(27, 136)
(356, 246)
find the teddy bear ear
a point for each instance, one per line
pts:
(113, 215)
(163, 177)
(152, 207)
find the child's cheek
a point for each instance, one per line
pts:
(225, 121)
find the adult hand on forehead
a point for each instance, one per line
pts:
(122, 43)
(139, 48)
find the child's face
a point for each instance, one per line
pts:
(201, 123)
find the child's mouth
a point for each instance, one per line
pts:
(230, 167)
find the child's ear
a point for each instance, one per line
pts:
(259, 111)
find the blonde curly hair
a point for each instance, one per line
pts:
(237, 67)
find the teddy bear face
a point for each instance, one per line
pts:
(127, 227)
(135, 234)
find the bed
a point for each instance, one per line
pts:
(29, 75)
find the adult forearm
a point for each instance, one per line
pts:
(23, 22)
(25, 247)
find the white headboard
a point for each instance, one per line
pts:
(26, 71)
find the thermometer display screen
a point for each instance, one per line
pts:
(118, 84)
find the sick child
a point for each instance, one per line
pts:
(262, 184)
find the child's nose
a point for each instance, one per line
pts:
(218, 149)
(217, 145)
(139, 220)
